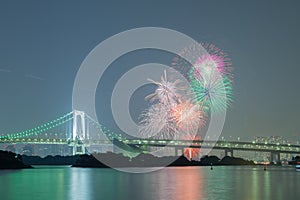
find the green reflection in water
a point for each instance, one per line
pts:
(170, 183)
(32, 184)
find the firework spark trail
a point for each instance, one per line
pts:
(221, 59)
(192, 153)
(210, 88)
(163, 122)
(211, 80)
(191, 53)
(172, 114)
(196, 51)
(166, 92)
(156, 122)
(188, 117)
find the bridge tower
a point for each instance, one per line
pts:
(80, 133)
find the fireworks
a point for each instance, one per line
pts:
(186, 58)
(209, 71)
(192, 153)
(163, 122)
(166, 92)
(187, 116)
(212, 89)
(175, 114)
(172, 114)
(220, 58)
(156, 122)
(195, 52)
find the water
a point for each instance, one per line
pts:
(231, 182)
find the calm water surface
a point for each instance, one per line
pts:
(60, 182)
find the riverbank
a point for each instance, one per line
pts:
(114, 160)
(109, 159)
(9, 160)
(148, 160)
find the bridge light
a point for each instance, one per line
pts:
(253, 142)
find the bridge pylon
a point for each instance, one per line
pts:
(80, 133)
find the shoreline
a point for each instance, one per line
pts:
(11, 160)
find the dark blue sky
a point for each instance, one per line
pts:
(43, 44)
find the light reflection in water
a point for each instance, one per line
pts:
(255, 186)
(189, 184)
(180, 183)
(50, 183)
(80, 184)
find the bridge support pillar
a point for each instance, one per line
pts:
(78, 149)
(275, 157)
(80, 132)
(179, 151)
(79, 126)
(229, 152)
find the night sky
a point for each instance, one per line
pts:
(42, 45)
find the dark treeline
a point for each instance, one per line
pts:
(148, 160)
(10, 160)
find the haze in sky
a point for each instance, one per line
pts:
(42, 45)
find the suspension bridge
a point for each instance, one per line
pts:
(79, 131)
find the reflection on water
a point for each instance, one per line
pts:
(170, 183)
(191, 187)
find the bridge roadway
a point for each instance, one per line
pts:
(223, 145)
(230, 145)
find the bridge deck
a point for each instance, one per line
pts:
(232, 145)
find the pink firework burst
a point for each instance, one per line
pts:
(220, 58)
(195, 53)
(188, 117)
